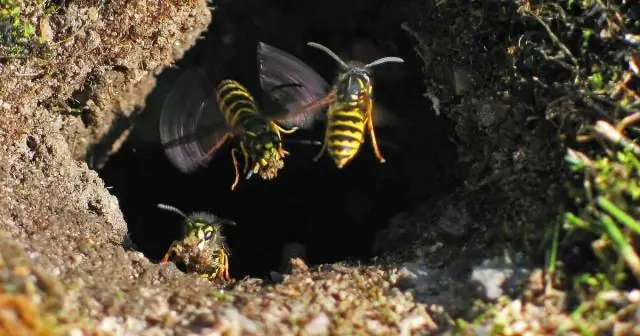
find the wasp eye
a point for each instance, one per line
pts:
(208, 235)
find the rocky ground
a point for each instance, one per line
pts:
(69, 71)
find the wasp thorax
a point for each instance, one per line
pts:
(352, 85)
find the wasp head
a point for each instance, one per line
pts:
(352, 85)
(354, 82)
(206, 228)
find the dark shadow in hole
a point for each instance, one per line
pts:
(334, 213)
(99, 153)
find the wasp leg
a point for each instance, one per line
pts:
(256, 166)
(224, 267)
(283, 152)
(245, 153)
(373, 134)
(284, 130)
(235, 167)
(324, 146)
(279, 129)
(221, 270)
(165, 259)
(220, 143)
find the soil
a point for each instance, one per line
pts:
(473, 170)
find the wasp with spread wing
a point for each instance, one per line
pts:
(202, 247)
(197, 119)
(350, 106)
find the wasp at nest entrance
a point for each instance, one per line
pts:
(203, 248)
(331, 213)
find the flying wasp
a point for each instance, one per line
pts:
(202, 248)
(193, 126)
(350, 107)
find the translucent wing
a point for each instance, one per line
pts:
(191, 126)
(278, 68)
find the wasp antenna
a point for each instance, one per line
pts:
(390, 59)
(225, 221)
(172, 209)
(329, 52)
(310, 142)
(304, 142)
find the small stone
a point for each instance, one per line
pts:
(319, 325)
(412, 323)
(519, 327)
(298, 266)
(634, 296)
(491, 280)
(75, 332)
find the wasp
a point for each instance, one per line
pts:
(350, 108)
(194, 123)
(202, 240)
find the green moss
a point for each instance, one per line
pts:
(571, 58)
(595, 81)
(605, 163)
(17, 32)
(607, 193)
(221, 295)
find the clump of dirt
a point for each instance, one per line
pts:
(328, 299)
(195, 259)
(32, 302)
(270, 170)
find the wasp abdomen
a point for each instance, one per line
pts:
(237, 104)
(345, 134)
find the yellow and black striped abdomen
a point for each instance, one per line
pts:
(345, 131)
(236, 103)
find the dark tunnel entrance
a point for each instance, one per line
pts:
(335, 214)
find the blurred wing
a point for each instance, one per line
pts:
(382, 116)
(191, 126)
(278, 68)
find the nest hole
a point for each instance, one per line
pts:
(335, 214)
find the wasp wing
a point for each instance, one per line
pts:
(191, 126)
(277, 69)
